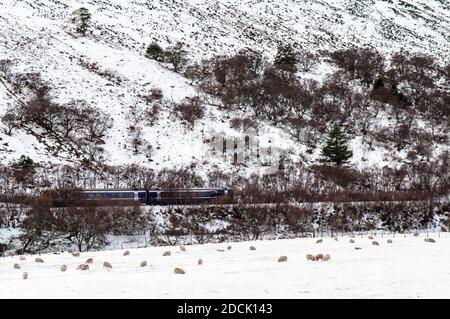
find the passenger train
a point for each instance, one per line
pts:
(150, 197)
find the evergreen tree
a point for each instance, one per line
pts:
(335, 149)
(155, 52)
(82, 20)
(286, 58)
(24, 162)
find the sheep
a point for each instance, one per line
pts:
(319, 257)
(25, 276)
(319, 241)
(179, 271)
(390, 241)
(63, 268)
(200, 262)
(89, 261)
(84, 267)
(282, 259)
(75, 254)
(39, 260)
(16, 266)
(229, 247)
(375, 243)
(252, 248)
(371, 237)
(182, 248)
(166, 253)
(107, 265)
(352, 241)
(22, 258)
(143, 263)
(310, 257)
(327, 257)
(126, 253)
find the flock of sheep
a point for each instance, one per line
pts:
(107, 265)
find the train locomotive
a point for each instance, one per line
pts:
(189, 196)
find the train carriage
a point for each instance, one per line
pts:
(154, 197)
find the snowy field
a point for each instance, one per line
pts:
(407, 268)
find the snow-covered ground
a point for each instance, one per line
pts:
(407, 268)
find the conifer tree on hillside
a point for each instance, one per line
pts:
(286, 58)
(155, 52)
(82, 20)
(335, 149)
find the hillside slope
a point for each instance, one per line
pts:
(37, 37)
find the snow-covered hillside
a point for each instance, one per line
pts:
(37, 37)
(408, 267)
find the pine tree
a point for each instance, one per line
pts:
(155, 52)
(335, 149)
(82, 20)
(24, 162)
(286, 58)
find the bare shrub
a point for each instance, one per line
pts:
(190, 110)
